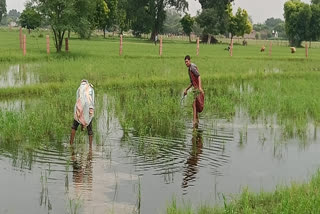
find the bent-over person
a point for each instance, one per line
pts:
(83, 110)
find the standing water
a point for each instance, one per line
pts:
(117, 175)
(17, 75)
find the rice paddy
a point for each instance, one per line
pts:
(259, 127)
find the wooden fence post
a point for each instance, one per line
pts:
(307, 51)
(121, 44)
(20, 37)
(160, 47)
(24, 45)
(231, 48)
(48, 44)
(270, 49)
(67, 44)
(198, 46)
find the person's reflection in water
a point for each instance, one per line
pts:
(191, 168)
(82, 170)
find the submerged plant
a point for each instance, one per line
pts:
(74, 205)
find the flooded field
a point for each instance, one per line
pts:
(259, 128)
(117, 175)
(17, 75)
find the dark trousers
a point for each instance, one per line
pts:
(76, 124)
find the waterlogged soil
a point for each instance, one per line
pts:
(18, 75)
(221, 157)
(12, 105)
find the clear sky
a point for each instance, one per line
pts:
(259, 10)
(15, 4)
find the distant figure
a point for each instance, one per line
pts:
(293, 49)
(155, 39)
(262, 48)
(83, 110)
(244, 43)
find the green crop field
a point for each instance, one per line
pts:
(144, 92)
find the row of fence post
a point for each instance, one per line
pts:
(23, 40)
(23, 43)
(306, 49)
(160, 46)
(23, 46)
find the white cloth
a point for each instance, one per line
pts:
(84, 107)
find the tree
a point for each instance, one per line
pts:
(187, 22)
(219, 9)
(219, 4)
(14, 15)
(30, 18)
(83, 23)
(281, 29)
(196, 29)
(3, 8)
(113, 14)
(172, 23)
(260, 27)
(60, 15)
(101, 16)
(149, 15)
(209, 21)
(239, 24)
(157, 11)
(315, 22)
(139, 16)
(122, 17)
(297, 21)
(270, 25)
(272, 22)
(315, 1)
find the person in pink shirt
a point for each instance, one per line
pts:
(195, 82)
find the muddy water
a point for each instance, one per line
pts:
(18, 75)
(115, 176)
(12, 105)
(140, 174)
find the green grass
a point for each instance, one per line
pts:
(296, 198)
(146, 89)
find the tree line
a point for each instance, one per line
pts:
(270, 29)
(139, 16)
(302, 21)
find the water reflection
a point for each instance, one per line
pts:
(16, 105)
(82, 169)
(17, 75)
(222, 156)
(44, 194)
(191, 168)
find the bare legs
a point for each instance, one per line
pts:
(73, 133)
(195, 115)
(90, 139)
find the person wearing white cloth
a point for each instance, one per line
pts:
(83, 110)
